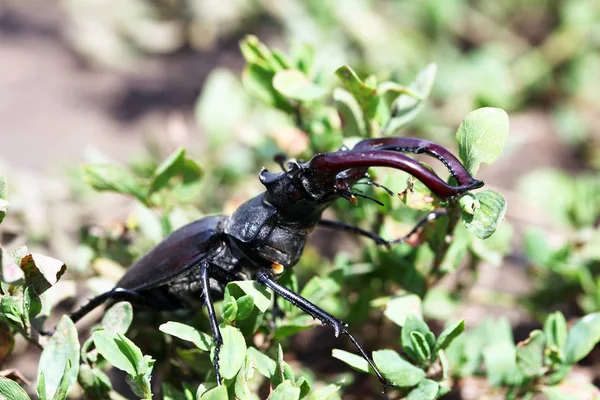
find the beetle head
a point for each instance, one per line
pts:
(297, 193)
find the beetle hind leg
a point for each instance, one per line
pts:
(116, 294)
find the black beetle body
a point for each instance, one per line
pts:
(267, 234)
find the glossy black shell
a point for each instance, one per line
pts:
(175, 255)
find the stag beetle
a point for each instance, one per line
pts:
(266, 235)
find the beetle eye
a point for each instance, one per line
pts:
(294, 192)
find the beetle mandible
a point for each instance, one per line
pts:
(266, 235)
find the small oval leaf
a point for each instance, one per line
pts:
(216, 393)
(426, 390)
(355, 361)
(118, 318)
(63, 347)
(108, 177)
(398, 308)
(233, 352)
(582, 338)
(126, 356)
(295, 85)
(285, 391)
(10, 389)
(396, 369)
(186, 332)
(485, 219)
(449, 334)
(481, 137)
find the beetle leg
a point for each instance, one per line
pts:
(264, 277)
(327, 223)
(429, 217)
(115, 294)
(276, 313)
(212, 317)
(207, 269)
(378, 239)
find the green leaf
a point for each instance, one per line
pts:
(279, 374)
(407, 106)
(64, 384)
(41, 387)
(265, 365)
(493, 249)
(365, 95)
(353, 123)
(355, 361)
(11, 390)
(108, 177)
(233, 352)
(469, 203)
(119, 351)
(500, 362)
(32, 304)
(295, 85)
(572, 389)
(256, 52)
(62, 348)
(140, 384)
(118, 318)
(94, 382)
(582, 338)
(222, 105)
(396, 369)
(230, 308)
(258, 82)
(328, 392)
(262, 296)
(186, 332)
(304, 386)
(216, 393)
(398, 308)
(536, 247)
(10, 307)
(426, 390)
(167, 170)
(241, 386)
(481, 137)
(285, 391)
(419, 344)
(294, 325)
(4, 204)
(245, 305)
(448, 335)
(555, 329)
(416, 324)
(303, 55)
(530, 354)
(484, 222)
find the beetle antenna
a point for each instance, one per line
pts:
(348, 195)
(379, 185)
(280, 159)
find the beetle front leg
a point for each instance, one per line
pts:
(376, 238)
(327, 223)
(264, 277)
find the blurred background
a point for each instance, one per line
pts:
(131, 80)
